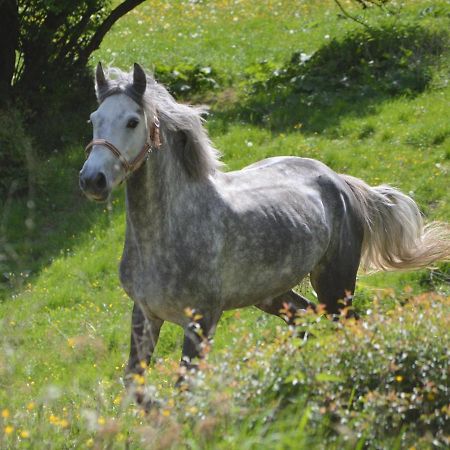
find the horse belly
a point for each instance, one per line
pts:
(270, 262)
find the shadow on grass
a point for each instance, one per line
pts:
(51, 222)
(345, 77)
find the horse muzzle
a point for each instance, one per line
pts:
(94, 185)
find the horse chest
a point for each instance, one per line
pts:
(165, 281)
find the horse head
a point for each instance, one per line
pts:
(121, 134)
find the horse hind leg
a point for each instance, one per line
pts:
(334, 289)
(334, 281)
(286, 306)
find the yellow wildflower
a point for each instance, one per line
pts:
(31, 406)
(5, 413)
(24, 434)
(9, 429)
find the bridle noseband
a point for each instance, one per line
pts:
(131, 166)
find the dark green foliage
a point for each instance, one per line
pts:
(46, 45)
(61, 118)
(43, 131)
(15, 148)
(187, 80)
(346, 76)
(56, 38)
(53, 35)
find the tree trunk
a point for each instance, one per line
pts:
(9, 35)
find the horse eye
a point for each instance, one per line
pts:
(132, 123)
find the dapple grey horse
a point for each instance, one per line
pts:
(210, 240)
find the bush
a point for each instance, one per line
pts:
(15, 153)
(186, 80)
(380, 382)
(344, 76)
(393, 60)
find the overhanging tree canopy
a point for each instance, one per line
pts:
(44, 39)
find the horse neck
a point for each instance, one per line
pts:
(154, 192)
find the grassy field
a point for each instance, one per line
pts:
(382, 116)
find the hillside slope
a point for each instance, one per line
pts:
(379, 383)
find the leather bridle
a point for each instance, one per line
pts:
(131, 166)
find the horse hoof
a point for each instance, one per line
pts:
(183, 383)
(145, 402)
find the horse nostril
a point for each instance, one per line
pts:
(100, 181)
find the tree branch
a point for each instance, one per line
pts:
(106, 25)
(348, 15)
(361, 2)
(76, 31)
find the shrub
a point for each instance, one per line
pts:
(375, 382)
(15, 153)
(345, 76)
(59, 118)
(186, 80)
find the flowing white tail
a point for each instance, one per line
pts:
(395, 236)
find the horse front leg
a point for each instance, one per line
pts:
(144, 336)
(197, 337)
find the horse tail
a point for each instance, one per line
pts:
(395, 236)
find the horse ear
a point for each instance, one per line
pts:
(139, 80)
(101, 82)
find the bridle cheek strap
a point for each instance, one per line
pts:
(129, 166)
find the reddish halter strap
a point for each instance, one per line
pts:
(130, 166)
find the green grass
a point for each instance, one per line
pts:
(64, 320)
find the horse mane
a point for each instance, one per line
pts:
(197, 156)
